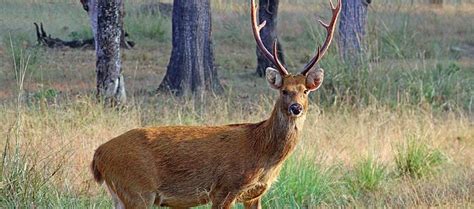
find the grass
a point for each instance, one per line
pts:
(304, 183)
(395, 132)
(416, 159)
(367, 176)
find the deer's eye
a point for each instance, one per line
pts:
(306, 91)
(285, 92)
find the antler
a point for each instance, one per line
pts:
(256, 33)
(330, 33)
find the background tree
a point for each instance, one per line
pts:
(91, 8)
(110, 82)
(268, 11)
(191, 66)
(437, 2)
(352, 29)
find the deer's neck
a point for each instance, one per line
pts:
(278, 135)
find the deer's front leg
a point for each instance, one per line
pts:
(254, 192)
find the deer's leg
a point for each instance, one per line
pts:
(118, 204)
(139, 201)
(253, 193)
(124, 199)
(253, 204)
(223, 200)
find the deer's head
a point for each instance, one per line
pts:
(294, 89)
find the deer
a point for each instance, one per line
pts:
(186, 166)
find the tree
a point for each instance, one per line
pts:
(352, 29)
(110, 82)
(90, 6)
(191, 66)
(268, 11)
(436, 2)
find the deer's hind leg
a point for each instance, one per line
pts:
(124, 199)
(118, 204)
(138, 200)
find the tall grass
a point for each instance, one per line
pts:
(304, 183)
(368, 175)
(23, 181)
(415, 159)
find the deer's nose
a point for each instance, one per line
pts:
(295, 109)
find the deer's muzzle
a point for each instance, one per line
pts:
(295, 109)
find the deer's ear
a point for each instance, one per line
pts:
(314, 78)
(273, 78)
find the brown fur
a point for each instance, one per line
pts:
(185, 166)
(95, 172)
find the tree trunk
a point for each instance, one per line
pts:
(191, 66)
(268, 11)
(110, 82)
(352, 29)
(438, 2)
(91, 6)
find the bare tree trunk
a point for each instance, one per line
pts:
(352, 29)
(191, 66)
(268, 11)
(91, 6)
(110, 82)
(437, 2)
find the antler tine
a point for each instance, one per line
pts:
(256, 33)
(277, 61)
(330, 33)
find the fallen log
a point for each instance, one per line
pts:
(46, 40)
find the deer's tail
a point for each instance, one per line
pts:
(95, 171)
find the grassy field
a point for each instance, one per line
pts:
(397, 131)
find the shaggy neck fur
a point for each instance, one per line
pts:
(279, 135)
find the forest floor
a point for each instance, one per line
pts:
(397, 131)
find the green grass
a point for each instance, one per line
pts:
(303, 183)
(415, 159)
(368, 175)
(156, 29)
